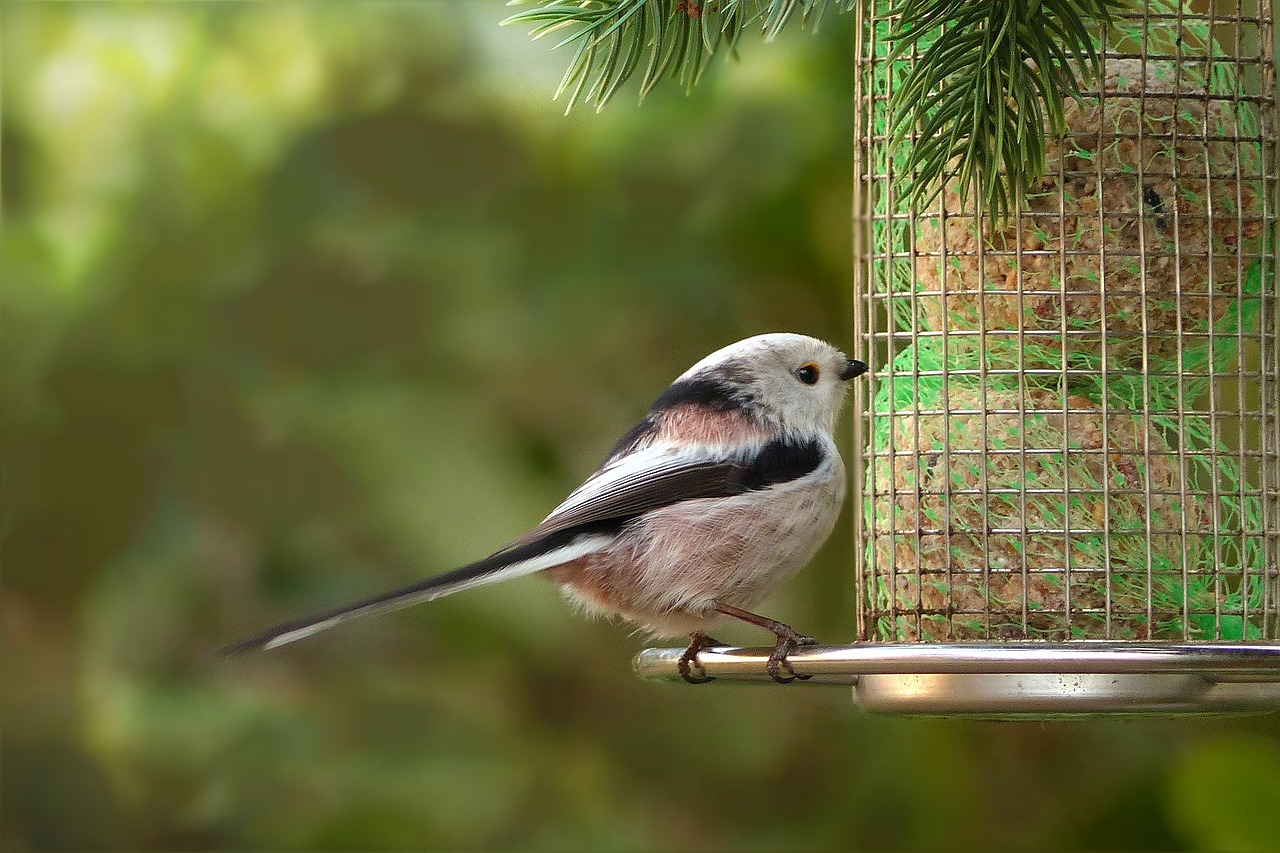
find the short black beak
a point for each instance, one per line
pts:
(852, 369)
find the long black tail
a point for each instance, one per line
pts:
(514, 562)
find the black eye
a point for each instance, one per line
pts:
(808, 373)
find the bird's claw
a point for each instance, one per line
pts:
(698, 641)
(788, 642)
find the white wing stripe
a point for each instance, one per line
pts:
(579, 548)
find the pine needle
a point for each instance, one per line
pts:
(985, 77)
(675, 38)
(988, 79)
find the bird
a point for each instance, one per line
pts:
(723, 491)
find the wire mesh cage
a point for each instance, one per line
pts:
(1068, 493)
(1074, 430)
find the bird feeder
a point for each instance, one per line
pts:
(1067, 498)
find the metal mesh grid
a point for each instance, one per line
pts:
(1073, 429)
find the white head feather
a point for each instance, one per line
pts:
(767, 370)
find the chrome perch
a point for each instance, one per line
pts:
(1027, 679)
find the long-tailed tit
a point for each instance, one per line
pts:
(727, 487)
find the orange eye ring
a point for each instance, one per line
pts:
(808, 373)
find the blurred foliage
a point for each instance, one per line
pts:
(305, 300)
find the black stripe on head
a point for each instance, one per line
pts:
(781, 461)
(723, 388)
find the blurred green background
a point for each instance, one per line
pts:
(303, 301)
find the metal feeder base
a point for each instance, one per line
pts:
(1019, 680)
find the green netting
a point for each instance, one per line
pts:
(1006, 510)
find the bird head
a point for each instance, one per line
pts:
(793, 382)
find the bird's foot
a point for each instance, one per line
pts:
(689, 658)
(788, 641)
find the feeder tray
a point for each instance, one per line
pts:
(1020, 679)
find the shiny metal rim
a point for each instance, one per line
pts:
(1018, 680)
(1233, 662)
(1042, 695)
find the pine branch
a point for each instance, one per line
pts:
(987, 78)
(674, 38)
(988, 75)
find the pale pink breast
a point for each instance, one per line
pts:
(700, 425)
(666, 572)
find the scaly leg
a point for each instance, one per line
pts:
(788, 641)
(689, 659)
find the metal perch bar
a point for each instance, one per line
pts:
(1018, 680)
(1223, 662)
